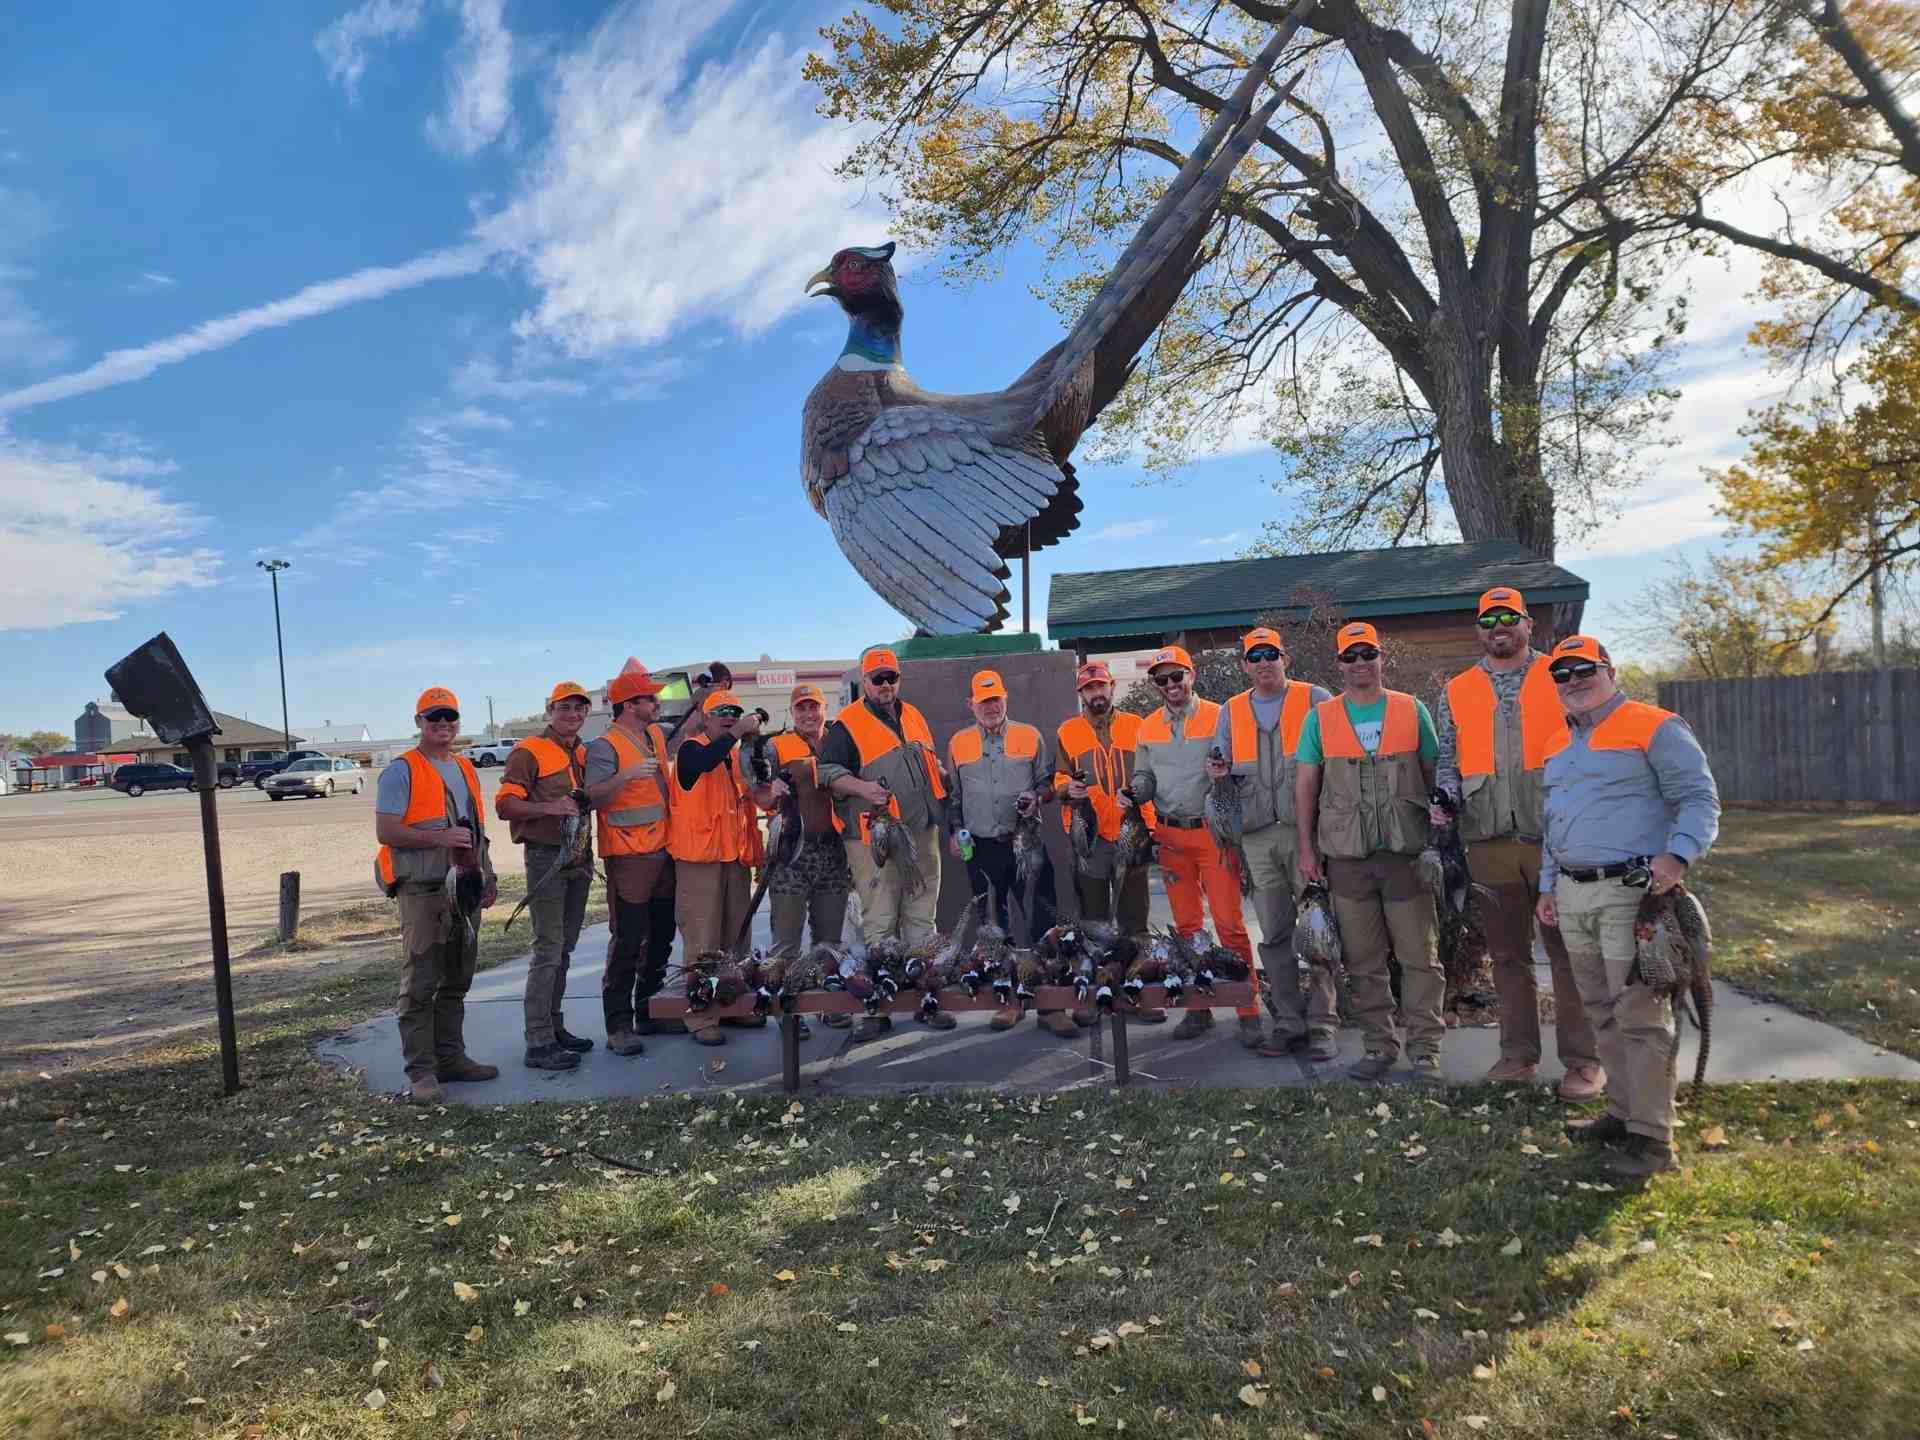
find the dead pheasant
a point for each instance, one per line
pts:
(1673, 955)
(930, 494)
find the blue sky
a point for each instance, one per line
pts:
(489, 317)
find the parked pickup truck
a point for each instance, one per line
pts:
(256, 772)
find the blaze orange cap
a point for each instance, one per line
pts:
(1261, 635)
(1094, 672)
(987, 685)
(716, 698)
(568, 689)
(1172, 655)
(879, 658)
(1503, 597)
(1582, 647)
(1358, 633)
(807, 692)
(631, 684)
(433, 698)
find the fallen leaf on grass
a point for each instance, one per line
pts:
(1379, 1394)
(719, 1288)
(374, 1399)
(1714, 1137)
(19, 1337)
(1374, 1240)
(1011, 1204)
(1129, 1327)
(847, 1327)
(56, 1332)
(1251, 1396)
(1804, 1345)
(1476, 1422)
(934, 1267)
(452, 1221)
(476, 1334)
(1251, 1369)
(521, 1307)
(1425, 1314)
(1646, 1247)
(666, 1392)
(786, 1277)
(464, 1292)
(118, 1310)
(1447, 1239)
(1483, 1372)
(1512, 1247)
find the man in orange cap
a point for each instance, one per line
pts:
(1499, 720)
(1366, 762)
(813, 891)
(1099, 743)
(879, 755)
(714, 829)
(430, 818)
(1631, 803)
(543, 788)
(1000, 778)
(627, 786)
(1172, 773)
(1257, 737)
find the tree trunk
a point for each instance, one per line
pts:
(1461, 356)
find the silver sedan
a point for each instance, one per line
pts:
(315, 779)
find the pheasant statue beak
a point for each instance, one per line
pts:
(823, 278)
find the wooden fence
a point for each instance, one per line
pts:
(1847, 736)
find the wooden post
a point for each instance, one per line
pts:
(1122, 1073)
(289, 905)
(789, 1051)
(207, 774)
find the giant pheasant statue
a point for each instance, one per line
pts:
(930, 494)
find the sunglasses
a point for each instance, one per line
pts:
(1505, 618)
(1172, 677)
(885, 677)
(444, 717)
(1567, 674)
(1260, 654)
(1359, 655)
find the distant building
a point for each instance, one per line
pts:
(104, 722)
(238, 740)
(319, 737)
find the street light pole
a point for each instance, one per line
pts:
(273, 569)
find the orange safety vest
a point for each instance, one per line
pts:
(426, 800)
(873, 738)
(1023, 743)
(1154, 730)
(1631, 727)
(1400, 733)
(1246, 730)
(1370, 803)
(1543, 720)
(789, 747)
(549, 759)
(715, 822)
(634, 821)
(1109, 768)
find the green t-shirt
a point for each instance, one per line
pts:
(1368, 721)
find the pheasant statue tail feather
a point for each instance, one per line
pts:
(928, 494)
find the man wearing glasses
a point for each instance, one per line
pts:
(1630, 804)
(879, 754)
(1258, 734)
(1100, 743)
(1499, 721)
(429, 818)
(543, 783)
(1366, 769)
(1171, 771)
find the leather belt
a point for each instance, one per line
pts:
(1174, 822)
(1602, 872)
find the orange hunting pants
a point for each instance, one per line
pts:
(1190, 864)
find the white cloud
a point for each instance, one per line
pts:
(472, 417)
(347, 43)
(482, 380)
(1127, 530)
(662, 196)
(1232, 537)
(479, 82)
(121, 366)
(77, 545)
(27, 340)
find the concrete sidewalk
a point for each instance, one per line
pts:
(1751, 1041)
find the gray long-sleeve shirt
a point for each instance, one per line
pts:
(1606, 806)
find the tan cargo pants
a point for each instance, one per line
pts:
(558, 912)
(1511, 870)
(1269, 854)
(885, 908)
(435, 974)
(709, 902)
(1383, 908)
(1633, 1028)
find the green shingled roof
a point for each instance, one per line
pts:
(1401, 581)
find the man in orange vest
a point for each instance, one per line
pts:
(1258, 734)
(627, 787)
(1099, 743)
(1630, 805)
(1171, 771)
(541, 788)
(429, 817)
(714, 827)
(814, 890)
(879, 754)
(1366, 762)
(1000, 777)
(1499, 721)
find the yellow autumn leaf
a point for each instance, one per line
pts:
(476, 1334)
(464, 1292)
(1714, 1137)
(1251, 1369)
(785, 1277)
(118, 1310)
(452, 1220)
(666, 1392)
(1251, 1396)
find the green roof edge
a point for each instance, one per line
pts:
(1145, 624)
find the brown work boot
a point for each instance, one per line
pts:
(465, 1067)
(1253, 1034)
(1139, 1016)
(1323, 1045)
(1193, 1023)
(1005, 1018)
(425, 1091)
(872, 1027)
(1582, 1083)
(1426, 1071)
(1641, 1157)
(1509, 1072)
(625, 1042)
(708, 1034)
(836, 1019)
(1371, 1067)
(1060, 1023)
(1608, 1129)
(938, 1020)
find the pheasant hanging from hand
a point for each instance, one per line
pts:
(930, 494)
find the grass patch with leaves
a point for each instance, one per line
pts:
(1822, 911)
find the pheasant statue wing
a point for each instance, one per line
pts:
(927, 493)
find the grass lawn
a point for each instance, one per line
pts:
(1822, 911)
(307, 1259)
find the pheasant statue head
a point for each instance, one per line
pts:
(861, 278)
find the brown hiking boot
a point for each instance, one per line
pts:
(1323, 1045)
(1371, 1067)
(708, 1034)
(1060, 1023)
(872, 1027)
(1582, 1083)
(625, 1042)
(836, 1019)
(1005, 1018)
(1193, 1023)
(465, 1068)
(938, 1020)
(1642, 1156)
(1509, 1072)
(1426, 1071)
(1608, 1129)
(425, 1091)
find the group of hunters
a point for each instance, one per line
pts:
(1572, 800)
